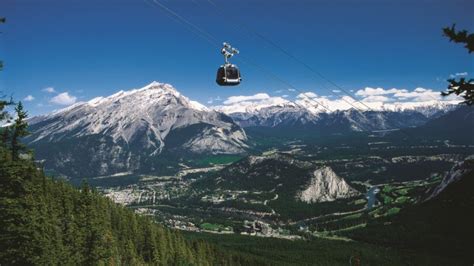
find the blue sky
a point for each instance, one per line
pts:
(95, 48)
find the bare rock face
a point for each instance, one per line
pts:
(324, 186)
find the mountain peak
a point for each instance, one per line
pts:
(158, 85)
(154, 83)
(159, 88)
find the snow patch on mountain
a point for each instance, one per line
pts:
(254, 106)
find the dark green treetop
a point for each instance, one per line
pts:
(464, 87)
(19, 130)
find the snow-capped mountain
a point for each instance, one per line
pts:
(278, 112)
(324, 186)
(127, 130)
(269, 112)
(288, 114)
(430, 109)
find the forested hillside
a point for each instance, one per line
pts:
(441, 225)
(48, 222)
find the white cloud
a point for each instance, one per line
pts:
(336, 91)
(308, 94)
(63, 99)
(418, 95)
(459, 74)
(285, 96)
(376, 98)
(241, 98)
(49, 90)
(291, 90)
(368, 91)
(28, 98)
(420, 90)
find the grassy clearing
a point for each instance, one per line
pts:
(402, 199)
(392, 211)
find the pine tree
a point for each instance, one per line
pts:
(460, 37)
(463, 87)
(20, 129)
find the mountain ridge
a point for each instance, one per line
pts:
(277, 112)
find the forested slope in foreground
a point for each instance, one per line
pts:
(45, 222)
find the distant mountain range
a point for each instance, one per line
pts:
(149, 129)
(282, 113)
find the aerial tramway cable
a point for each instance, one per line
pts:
(248, 29)
(212, 40)
(308, 67)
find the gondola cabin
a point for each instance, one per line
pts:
(228, 75)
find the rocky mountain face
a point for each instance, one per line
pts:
(325, 185)
(129, 130)
(276, 117)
